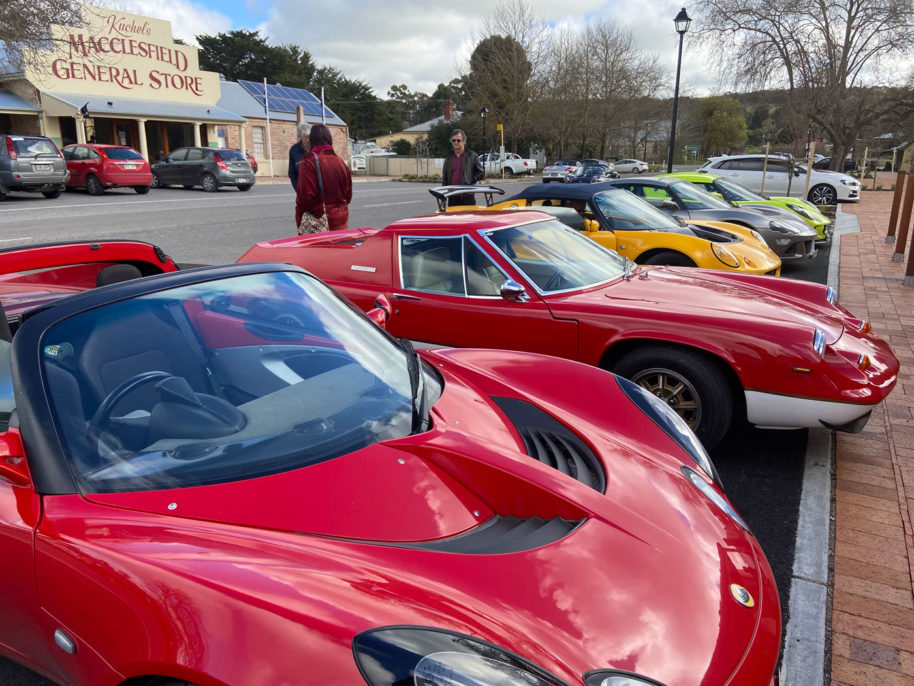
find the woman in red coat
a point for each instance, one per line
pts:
(337, 182)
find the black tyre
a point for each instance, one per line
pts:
(93, 185)
(546, 180)
(209, 183)
(244, 186)
(508, 172)
(155, 181)
(141, 190)
(689, 382)
(187, 187)
(823, 194)
(671, 258)
(50, 195)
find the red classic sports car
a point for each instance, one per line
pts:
(229, 475)
(710, 343)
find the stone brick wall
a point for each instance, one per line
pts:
(282, 136)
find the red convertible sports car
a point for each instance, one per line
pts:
(230, 475)
(711, 344)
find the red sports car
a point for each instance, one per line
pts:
(98, 167)
(711, 344)
(230, 475)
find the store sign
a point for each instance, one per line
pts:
(115, 53)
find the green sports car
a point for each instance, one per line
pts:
(740, 195)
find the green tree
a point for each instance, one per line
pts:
(439, 138)
(401, 146)
(721, 122)
(244, 54)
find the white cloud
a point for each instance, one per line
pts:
(188, 19)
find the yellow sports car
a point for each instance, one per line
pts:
(619, 220)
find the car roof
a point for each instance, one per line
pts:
(459, 222)
(564, 191)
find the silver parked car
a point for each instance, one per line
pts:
(559, 170)
(788, 236)
(33, 164)
(207, 167)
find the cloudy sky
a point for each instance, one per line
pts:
(414, 42)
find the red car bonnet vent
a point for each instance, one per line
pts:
(220, 163)
(10, 149)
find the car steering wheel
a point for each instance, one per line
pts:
(103, 413)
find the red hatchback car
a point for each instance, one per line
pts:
(97, 167)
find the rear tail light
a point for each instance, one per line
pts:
(102, 154)
(10, 149)
(220, 163)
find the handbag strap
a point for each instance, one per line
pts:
(320, 181)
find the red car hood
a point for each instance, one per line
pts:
(698, 294)
(372, 519)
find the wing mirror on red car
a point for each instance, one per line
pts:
(511, 290)
(381, 311)
(12, 460)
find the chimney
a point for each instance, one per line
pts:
(449, 110)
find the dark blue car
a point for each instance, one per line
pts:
(591, 174)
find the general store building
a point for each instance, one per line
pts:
(120, 78)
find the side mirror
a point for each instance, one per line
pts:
(12, 460)
(511, 290)
(381, 311)
(668, 204)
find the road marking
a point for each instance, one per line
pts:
(13, 240)
(128, 205)
(389, 204)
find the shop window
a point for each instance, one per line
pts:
(259, 134)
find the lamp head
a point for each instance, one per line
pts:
(682, 21)
(484, 112)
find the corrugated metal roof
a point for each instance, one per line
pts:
(113, 106)
(13, 103)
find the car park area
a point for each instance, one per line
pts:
(748, 464)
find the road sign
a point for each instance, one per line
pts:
(693, 147)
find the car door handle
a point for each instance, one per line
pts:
(406, 296)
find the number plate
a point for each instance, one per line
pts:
(130, 166)
(41, 167)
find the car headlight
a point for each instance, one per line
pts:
(831, 295)
(724, 255)
(607, 677)
(712, 494)
(672, 424)
(850, 182)
(778, 227)
(818, 342)
(802, 211)
(428, 656)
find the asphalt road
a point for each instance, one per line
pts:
(762, 470)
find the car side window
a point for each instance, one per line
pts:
(749, 164)
(655, 195)
(194, 154)
(433, 265)
(483, 277)
(79, 153)
(778, 166)
(178, 155)
(92, 154)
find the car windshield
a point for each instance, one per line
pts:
(735, 192)
(231, 379)
(565, 163)
(554, 257)
(588, 171)
(626, 211)
(122, 154)
(696, 198)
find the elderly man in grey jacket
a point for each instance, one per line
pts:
(298, 151)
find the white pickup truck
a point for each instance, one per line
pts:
(515, 165)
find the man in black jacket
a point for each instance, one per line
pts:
(461, 168)
(298, 151)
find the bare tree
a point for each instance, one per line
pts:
(561, 105)
(25, 29)
(828, 52)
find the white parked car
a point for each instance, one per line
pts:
(631, 166)
(783, 177)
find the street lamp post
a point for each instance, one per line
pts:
(682, 22)
(484, 112)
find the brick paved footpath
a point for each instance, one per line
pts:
(873, 602)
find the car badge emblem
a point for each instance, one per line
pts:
(742, 596)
